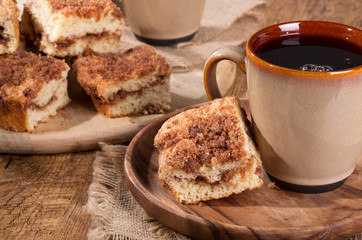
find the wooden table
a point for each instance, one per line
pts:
(43, 196)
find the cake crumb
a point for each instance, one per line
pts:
(272, 185)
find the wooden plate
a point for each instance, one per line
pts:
(265, 213)
(80, 127)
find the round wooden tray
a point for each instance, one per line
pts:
(265, 213)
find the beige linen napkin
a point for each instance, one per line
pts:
(114, 212)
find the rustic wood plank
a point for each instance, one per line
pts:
(42, 196)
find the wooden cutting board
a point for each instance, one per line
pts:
(80, 127)
(265, 213)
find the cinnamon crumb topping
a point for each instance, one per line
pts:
(86, 8)
(22, 66)
(98, 71)
(14, 68)
(201, 136)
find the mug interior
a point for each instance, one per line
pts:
(306, 29)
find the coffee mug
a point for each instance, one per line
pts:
(164, 22)
(304, 83)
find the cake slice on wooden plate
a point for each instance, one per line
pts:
(32, 89)
(9, 26)
(69, 27)
(134, 82)
(208, 152)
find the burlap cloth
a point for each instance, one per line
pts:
(114, 212)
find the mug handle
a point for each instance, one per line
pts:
(228, 52)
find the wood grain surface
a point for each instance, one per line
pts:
(80, 127)
(265, 213)
(43, 196)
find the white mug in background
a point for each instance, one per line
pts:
(164, 22)
(307, 124)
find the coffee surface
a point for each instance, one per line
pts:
(311, 53)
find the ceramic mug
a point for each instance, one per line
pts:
(307, 124)
(164, 22)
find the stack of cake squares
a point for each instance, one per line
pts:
(33, 87)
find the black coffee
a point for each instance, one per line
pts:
(311, 53)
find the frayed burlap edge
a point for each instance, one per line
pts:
(114, 212)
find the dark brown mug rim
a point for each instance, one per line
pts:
(318, 28)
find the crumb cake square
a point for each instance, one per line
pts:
(32, 89)
(133, 82)
(69, 27)
(9, 26)
(208, 152)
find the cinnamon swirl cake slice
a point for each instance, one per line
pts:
(129, 83)
(32, 89)
(69, 27)
(208, 153)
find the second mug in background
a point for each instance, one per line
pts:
(164, 22)
(307, 124)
